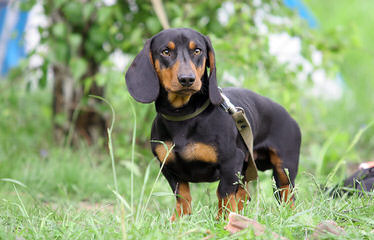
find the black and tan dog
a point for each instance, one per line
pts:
(172, 70)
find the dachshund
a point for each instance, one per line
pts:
(193, 138)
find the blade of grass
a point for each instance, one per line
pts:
(111, 152)
(146, 176)
(168, 151)
(23, 210)
(110, 145)
(323, 151)
(13, 181)
(122, 199)
(132, 151)
(93, 225)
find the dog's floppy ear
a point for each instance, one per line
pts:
(141, 77)
(214, 93)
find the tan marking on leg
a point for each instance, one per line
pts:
(219, 213)
(232, 203)
(171, 45)
(242, 197)
(183, 206)
(229, 203)
(287, 195)
(200, 152)
(277, 163)
(192, 45)
(226, 205)
(161, 152)
(285, 190)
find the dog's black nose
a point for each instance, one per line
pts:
(186, 80)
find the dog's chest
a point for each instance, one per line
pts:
(187, 152)
(198, 151)
(193, 162)
(190, 150)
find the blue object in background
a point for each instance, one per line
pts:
(302, 10)
(2, 15)
(308, 16)
(11, 42)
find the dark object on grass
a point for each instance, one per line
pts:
(362, 180)
(359, 182)
(194, 139)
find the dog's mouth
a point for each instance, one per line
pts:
(185, 91)
(176, 91)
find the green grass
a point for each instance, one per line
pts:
(68, 194)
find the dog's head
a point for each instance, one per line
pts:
(177, 60)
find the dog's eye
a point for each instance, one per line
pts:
(197, 51)
(165, 52)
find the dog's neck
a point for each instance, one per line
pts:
(196, 101)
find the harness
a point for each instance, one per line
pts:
(245, 130)
(241, 123)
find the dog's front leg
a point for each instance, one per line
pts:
(183, 200)
(182, 193)
(228, 193)
(183, 206)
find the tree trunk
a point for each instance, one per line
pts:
(73, 119)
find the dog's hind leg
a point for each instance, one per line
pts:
(285, 182)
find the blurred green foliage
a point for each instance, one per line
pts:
(352, 22)
(89, 32)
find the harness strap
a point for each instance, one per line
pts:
(245, 130)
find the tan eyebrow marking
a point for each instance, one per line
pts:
(192, 45)
(171, 45)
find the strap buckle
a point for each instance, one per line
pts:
(226, 105)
